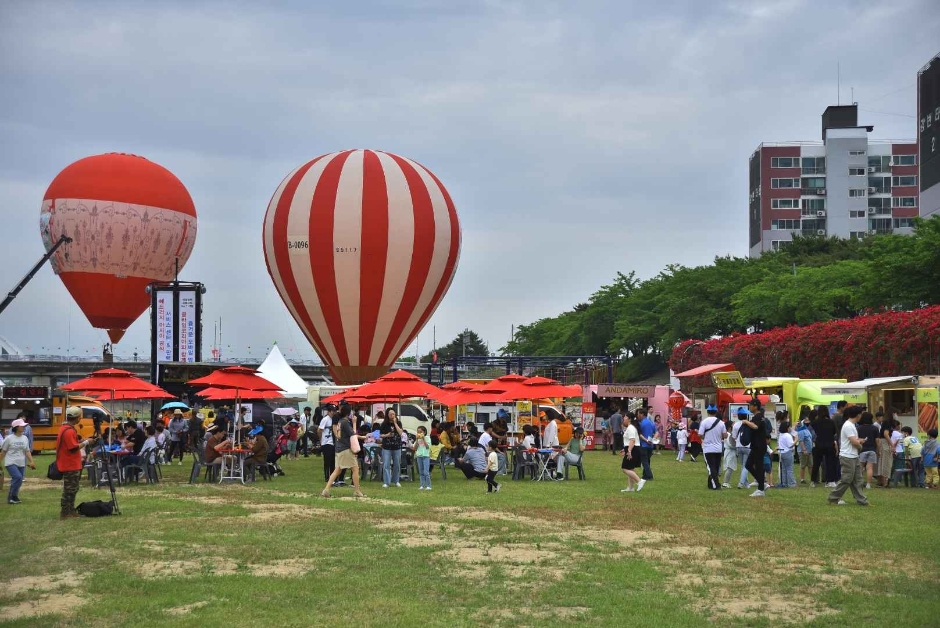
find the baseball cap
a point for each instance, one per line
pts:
(73, 412)
(711, 408)
(743, 412)
(256, 430)
(329, 408)
(18, 423)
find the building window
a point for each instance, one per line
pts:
(856, 192)
(856, 213)
(813, 183)
(904, 201)
(903, 223)
(879, 225)
(785, 224)
(902, 181)
(776, 245)
(857, 235)
(784, 203)
(784, 162)
(879, 202)
(880, 185)
(879, 163)
(856, 153)
(814, 165)
(784, 183)
(813, 205)
(856, 172)
(905, 160)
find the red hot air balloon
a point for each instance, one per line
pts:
(130, 220)
(362, 246)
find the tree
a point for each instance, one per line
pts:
(475, 346)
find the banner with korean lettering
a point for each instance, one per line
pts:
(165, 325)
(187, 327)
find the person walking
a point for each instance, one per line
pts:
(713, 431)
(306, 423)
(786, 444)
(631, 456)
(849, 447)
(729, 461)
(804, 439)
(492, 465)
(647, 431)
(868, 457)
(344, 431)
(15, 455)
(68, 459)
(759, 440)
(616, 429)
(325, 434)
(742, 439)
(177, 429)
(827, 445)
(885, 452)
(391, 450)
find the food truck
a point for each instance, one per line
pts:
(794, 393)
(911, 399)
(45, 412)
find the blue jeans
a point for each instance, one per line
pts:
(424, 470)
(16, 481)
(743, 454)
(917, 472)
(645, 453)
(391, 466)
(787, 479)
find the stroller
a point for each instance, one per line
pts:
(280, 448)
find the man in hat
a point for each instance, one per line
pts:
(259, 449)
(177, 429)
(712, 431)
(68, 459)
(760, 436)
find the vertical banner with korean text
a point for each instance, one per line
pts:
(165, 324)
(187, 327)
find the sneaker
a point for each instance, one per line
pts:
(627, 490)
(812, 485)
(742, 485)
(420, 488)
(397, 485)
(830, 485)
(757, 493)
(428, 488)
(385, 486)
(498, 486)
(802, 481)
(841, 502)
(639, 487)
(868, 487)
(180, 463)
(752, 485)
(725, 485)
(13, 502)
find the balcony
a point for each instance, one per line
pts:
(813, 191)
(817, 170)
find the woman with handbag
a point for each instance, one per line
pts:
(347, 447)
(15, 455)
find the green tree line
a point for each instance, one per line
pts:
(811, 280)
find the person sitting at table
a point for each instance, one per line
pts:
(134, 443)
(571, 453)
(473, 462)
(528, 440)
(259, 450)
(218, 441)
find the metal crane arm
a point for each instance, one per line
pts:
(64, 239)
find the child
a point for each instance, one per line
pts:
(769, 467)
(930, 454)
(492, 465)
(422, 449)
(682, 439)
(293, 434)
(914, 449)
(730, 459)
(785, 444)
(805, 438)
(528, 441)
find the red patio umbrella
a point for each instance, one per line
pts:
(235, 378)
(112, 380)
(541, 388)
(132, 395)
(226, 394)
(505, 384)
(397, 384)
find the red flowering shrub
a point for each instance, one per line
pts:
(894, 343)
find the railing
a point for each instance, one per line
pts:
(814, 170)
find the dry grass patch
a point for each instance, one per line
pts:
(186, 609)
(58, 604)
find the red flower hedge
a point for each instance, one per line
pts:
(895, 343)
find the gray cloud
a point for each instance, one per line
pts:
(576, 140)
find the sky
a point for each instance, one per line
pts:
(576, 139)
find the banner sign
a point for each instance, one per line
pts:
(589, 423)
(625, 390)
(728, 379)
(928, 395)
(165, 317)
(187, 323)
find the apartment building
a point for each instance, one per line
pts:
(846, 185)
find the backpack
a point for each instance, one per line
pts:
(96, 508)
(744, 435)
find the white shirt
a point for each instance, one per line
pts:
(846, 449)
(485, 440)
(785, 443)
(326, 424)
(899, 437)
(16, 448)
(712, 430)
(736, 432)
(630, 434)
(682, 436)
(551, 435)
(528, 442)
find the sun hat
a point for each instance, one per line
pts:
(73, 411)
(177, 412)
(18, 423)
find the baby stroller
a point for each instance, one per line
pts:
(280, 448)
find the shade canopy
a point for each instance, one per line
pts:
(276, 369)
(231, 394)
(116, 380)
(132, 395)
(705, 369)
(236, 378)
(503, 384)
(465, 397)
(860, 386)
(541, 388)
(397, 384)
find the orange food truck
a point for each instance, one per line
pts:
(45, 412)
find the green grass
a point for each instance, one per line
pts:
(274, 553)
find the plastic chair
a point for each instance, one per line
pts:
(579, 465)
(439, 462)
(522, 463)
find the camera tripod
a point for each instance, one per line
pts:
(99, 443)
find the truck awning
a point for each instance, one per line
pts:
(705, 369)
(860, 386)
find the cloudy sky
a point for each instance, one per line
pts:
(577, 139)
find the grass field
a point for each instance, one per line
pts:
(570, 553)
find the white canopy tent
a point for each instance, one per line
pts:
(275, 369)
(862, 385)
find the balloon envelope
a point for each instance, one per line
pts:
(362, 245)
(130, 220)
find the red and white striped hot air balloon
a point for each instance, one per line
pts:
(130, 220)
(362, 245)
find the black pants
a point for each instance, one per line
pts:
(175, 447)
(645, 453)
(618, 443)
(469, 471)
(303, 444)
(755, 464)
(713, 460)
(329, 461)
(825, 457)
(491, 481)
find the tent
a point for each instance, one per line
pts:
(276, 369)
